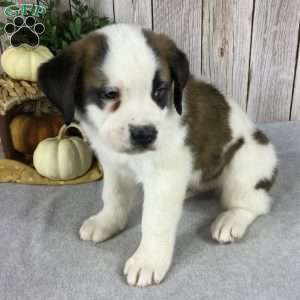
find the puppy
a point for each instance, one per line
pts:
(151, 123)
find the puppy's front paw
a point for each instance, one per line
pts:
(99, 228)
(143, 268)
(231, 225)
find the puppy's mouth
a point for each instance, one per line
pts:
(140, 150)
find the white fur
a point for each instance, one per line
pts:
(166, 172)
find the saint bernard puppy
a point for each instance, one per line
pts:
(152, 124)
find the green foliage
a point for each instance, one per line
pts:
(6, 3)
(63, 28)
(2, 27)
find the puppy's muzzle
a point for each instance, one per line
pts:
(142, 136)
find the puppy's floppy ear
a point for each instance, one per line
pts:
(59, 80)
(177, 61)
(179, 67)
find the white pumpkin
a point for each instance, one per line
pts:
(63, 157)
(23, 62)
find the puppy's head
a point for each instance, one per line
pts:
(124, 81)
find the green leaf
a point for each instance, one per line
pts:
(68, 35)
(76, 2)
(78, 26)
(6, 3)
(64, 44)
(53, 31)
(72, 29)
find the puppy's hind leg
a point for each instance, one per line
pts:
(232, 224)
(118, 194)
(245, 185)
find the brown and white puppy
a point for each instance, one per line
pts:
(150, 122)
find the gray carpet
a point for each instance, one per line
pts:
(41, 256)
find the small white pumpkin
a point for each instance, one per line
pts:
(63, 157)
(23, 62)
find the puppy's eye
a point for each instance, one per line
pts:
(111, 94)
(161, 91)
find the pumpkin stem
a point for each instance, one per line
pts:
(62, 131)
(64, 128)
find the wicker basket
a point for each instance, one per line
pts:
(18, 96)
(15, 92)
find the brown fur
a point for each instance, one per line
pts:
(163, 46)
(266, 183)
(170, 56)
(90, 52)
(260, 137)
(207, 119)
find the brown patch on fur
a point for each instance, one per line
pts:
(90, 53)
(162, 45)
(232, 149)
(207, 119)
(164, 72)
(266, 183)
(226, 158)
(169, 55)
(260, 137)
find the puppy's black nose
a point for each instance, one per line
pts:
(142, 135)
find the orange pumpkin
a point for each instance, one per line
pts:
(27, 130)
